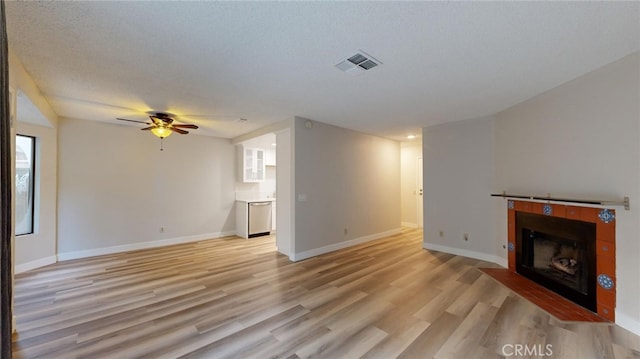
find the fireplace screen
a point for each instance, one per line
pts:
(559, 254)
(559, 259)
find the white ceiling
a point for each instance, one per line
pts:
(216, 62)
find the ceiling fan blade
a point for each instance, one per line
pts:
(161, 117)
(182, 132)
(186, 126)
(124, 119)
(148, 128)
(156, 121)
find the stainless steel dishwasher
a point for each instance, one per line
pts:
(259, 218)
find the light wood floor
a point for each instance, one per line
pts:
(238, 298)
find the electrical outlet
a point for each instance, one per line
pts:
(466, 237)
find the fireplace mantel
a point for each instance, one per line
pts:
(603, 218)
(548, 199)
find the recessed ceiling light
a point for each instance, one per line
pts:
(273, 144)
(411, 137)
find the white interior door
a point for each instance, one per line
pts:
(419, 192)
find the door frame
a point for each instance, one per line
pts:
(419, 193)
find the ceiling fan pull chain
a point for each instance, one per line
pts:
(161, 144)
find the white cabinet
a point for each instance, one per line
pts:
(253, 164)
(270, 154)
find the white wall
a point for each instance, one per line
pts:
(581, 140)
(409, 153)
(351, 181)
(116, 188)
(458, 178)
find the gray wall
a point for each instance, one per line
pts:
(116, 188)
(580, 139)
(34, 117)
(39, 248)
(458, 178)
(351, 181)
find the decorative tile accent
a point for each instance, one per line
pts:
(605, 281)
(547, 210)
(511, 247)
(606, 216)
(510, 205)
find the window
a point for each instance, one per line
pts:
(25, 179)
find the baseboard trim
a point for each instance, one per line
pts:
(628, 323)
(142, 245)
(409, 225)
(24, 267)
(503, 262)
(464, 253)
(334, 247)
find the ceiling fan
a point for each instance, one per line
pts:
(162, 125)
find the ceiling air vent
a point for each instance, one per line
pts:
(358, 63)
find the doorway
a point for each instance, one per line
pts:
(411, 183)
(276, 184)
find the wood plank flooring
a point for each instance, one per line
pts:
(237, 298)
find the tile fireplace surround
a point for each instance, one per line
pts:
(604, 220)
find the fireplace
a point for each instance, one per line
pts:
(559, 254)
(567, 249)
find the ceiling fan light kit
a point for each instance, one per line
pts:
(162, 125)
(161, 132)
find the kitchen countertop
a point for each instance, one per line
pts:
(255, 196)
(249, 200)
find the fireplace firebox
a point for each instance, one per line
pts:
(559, 254)
(567, 249)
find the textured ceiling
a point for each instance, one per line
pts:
(216, 62)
